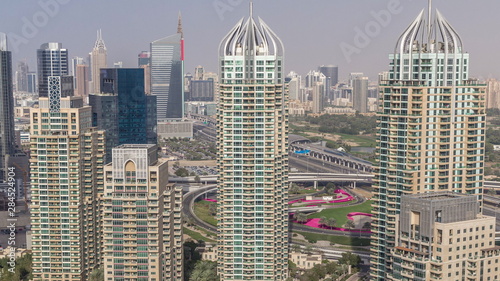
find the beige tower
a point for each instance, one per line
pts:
(252, 140)
(98, 60)
(142, 229)
(431, 131)
(67, 155)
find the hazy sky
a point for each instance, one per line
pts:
(314, 32)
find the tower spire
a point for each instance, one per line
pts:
(429, 23)
(179, 25)
(251, 9)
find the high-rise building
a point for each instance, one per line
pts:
(82, 81)
(252, 140)
(7, 136)
(144, 62)
(32, 82)
(142, 229)
(67, 156)
(331, 71)
(198, 73)
(123, 109)
(52, 60)
(201, 90)
(22, 76)
(74, 63)
(98, 60)
(360, 94)
(318, 97)
(431, 131)
(444, 236)
(167, 75)
(294, 86)
(354, 75)
(493, 94)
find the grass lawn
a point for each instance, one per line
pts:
(196, 235)
(368, 141)
(343, 240)
(202, 212)
(340, 214)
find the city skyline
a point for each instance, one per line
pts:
(204, 21)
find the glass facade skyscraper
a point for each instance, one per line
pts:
(52, 61)
(123, 109)
(7, 138)
(252, 132)
(431, 134)
(167, 76)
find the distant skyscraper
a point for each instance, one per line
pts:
(144, 62)
(141, 212)
(201, 90)
(294, 86)
(431, 133)
(198, 73)
(82, 81)
(318, 98)
(123, 109)
(252, 159)
(7, 137)
(360, 94)
(52, 61)
(98, 60)
(74, 62)
(67, 157)
(331, 71)
(354, 75)
(167, 75)
(22, 76)
(32, 82)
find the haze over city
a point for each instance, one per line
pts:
(312, 31)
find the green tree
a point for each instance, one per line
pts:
(22, 272)
(97, 274)
(197, 179)
(300, 217)
(350, 259)
(204, 271)
(331, 223)
(182, 172)
(349, 224)
(294, 189)
(367, 225)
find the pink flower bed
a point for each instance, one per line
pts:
(315, 223)
(351, 215)
(210, 200)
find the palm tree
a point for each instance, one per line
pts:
(331, 222)
(300, 217)
(349, 224)
(323, 221)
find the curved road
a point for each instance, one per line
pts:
(188, 212)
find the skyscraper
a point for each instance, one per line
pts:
(22, 76)
(360, 94)
(430, 134)
(123, 109)
(98, 60)
(82, 81)
(7, 137)
(252, 140)
(142, 226)
(67, 155)
(331, 71)
(167, 75)
(52, 61)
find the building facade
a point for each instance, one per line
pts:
(167, 75)
(142, 225)
(52, 60)
(123, 109)
(444, 236)
(360, 94)
(67, 156)
(7, 136)
(252, 132)
(431, 129)
(98, 60)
